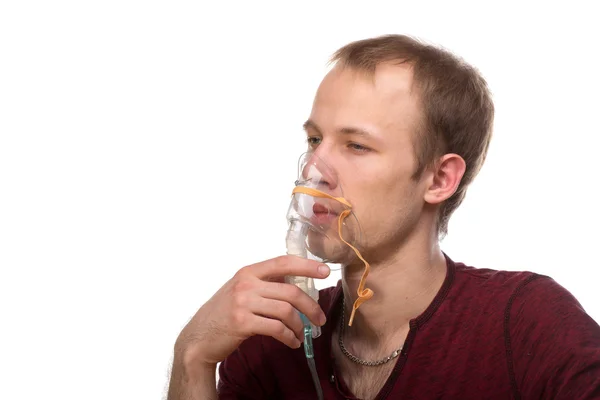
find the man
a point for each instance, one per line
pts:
(406, 127)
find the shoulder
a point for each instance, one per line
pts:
(492, 287)
(543, 301)
(552, 344)
(525, 293)
(492, 277)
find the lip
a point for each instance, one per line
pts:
(321, 210)
(322, 215)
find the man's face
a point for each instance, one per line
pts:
(363, 127)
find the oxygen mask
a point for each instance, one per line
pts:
(322, 225)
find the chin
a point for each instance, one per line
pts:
(332, 250)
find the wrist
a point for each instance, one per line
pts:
(192, 367)
(192, 380)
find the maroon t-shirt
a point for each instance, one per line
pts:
(487, 335)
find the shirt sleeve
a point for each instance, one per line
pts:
(553, 345)
(245, 374)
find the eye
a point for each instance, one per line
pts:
(313, 140)
(358, 147)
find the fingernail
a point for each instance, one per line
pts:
(322, 319)
(323, 270)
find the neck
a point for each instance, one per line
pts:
(404, 286)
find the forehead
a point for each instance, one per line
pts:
(381, 101)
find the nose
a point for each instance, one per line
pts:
(322, 174)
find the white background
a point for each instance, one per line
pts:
(148, 150)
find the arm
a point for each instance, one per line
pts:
(554, 345)
(192, 383)
(254, 302)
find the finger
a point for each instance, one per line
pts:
(280, 310)
(289, 265)
(293, 295)
(276, 329)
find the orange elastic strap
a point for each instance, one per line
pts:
(364, 294)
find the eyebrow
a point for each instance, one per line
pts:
(349, 130)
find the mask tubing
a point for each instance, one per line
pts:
(310, 356)
(295, 243)
(308, 286)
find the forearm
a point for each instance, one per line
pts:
(197, 383)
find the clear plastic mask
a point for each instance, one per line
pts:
(327, 229)
(322, 225)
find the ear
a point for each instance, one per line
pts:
(445, 178)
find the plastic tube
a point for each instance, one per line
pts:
(295, 242)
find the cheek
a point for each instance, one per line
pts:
(379, 188)
(373, 202)
(386, 201)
